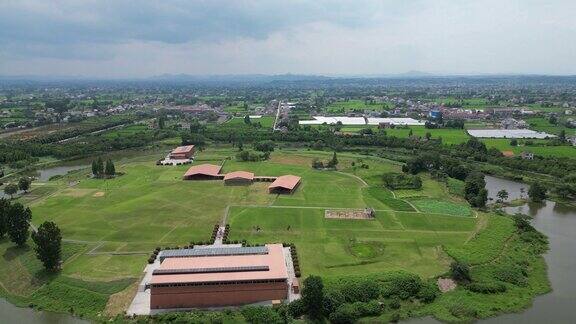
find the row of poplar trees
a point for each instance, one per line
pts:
(101, 170)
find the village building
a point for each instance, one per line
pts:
(527, 155)
(182, 152)
(285, 184)
(219, 276)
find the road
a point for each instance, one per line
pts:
(277, 115)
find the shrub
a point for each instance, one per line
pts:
(394, 180)
(511, 273)
(261, 315)
(460, 271)
(296, 308)
(404, 286)
(462, 311)
(428, 292)
(487, 287)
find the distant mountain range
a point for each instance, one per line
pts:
(266, 78)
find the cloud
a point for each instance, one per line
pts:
(140, 38)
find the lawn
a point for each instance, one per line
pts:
(265, 121)
(111, 226)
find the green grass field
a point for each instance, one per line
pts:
(265, 121)
(559, 151)
(111, 226)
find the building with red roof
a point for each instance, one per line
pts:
(284, 184)
(203, 172)
(182, 152)
(219, 276)
(238, 177)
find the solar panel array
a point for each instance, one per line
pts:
(203, 252)
(209, 270)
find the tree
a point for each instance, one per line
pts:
(24, 184)
(537, 192)
(4, 208)
(562, 135)
(48, 248)
(94, 168)
(247, 120)
(410, 133)
(100, 166)
(312, 296)
(18, 223)
(474, 190)
(333, 162)
(161, 122)
(514, 142)
(110, 169)
(11, 189)
(428, 136)
(264, 146)
(460, 271)
(502, 195)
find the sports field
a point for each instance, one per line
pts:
(111, 226)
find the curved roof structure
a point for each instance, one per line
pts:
(239, 175)
(288, 182)
(203, 169)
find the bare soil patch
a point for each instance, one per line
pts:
(98, 194)
(446, 284)
(76, 192)
(349, 213)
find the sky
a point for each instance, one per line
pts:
(142, 38)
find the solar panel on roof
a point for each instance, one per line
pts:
(183, 253)
(210, 270)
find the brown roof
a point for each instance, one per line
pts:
(183, 149)
(239, 175)
(203, 169)
(286, 181)
(508, 153)
(274, 260)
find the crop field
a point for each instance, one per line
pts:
(111, 226)
(354, 104)
(265, 121)
(128, 130)
(558, 151)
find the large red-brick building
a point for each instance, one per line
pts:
(219, 276)
(182, 152)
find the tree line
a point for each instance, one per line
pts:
(15, 223)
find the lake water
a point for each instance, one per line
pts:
(558, 222)
(19, 315)
(44, 175)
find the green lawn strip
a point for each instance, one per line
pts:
(487, 244)
(441, 207)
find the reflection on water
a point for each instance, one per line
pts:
(558, 222)
(17, 315)
(44, 175)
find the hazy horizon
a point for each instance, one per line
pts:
(140, 39)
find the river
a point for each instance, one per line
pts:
(558, 222)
